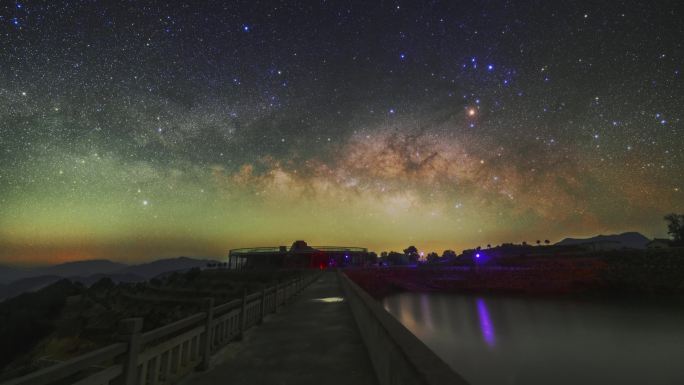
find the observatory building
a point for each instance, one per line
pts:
(299, 255)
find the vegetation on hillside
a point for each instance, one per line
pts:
(67, 319)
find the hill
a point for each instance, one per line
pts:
(9, 273)
(65, 270)
(83, 268)
(24, 285)
(88, 272)
(629, 240)
(152, 269)
(28, 318)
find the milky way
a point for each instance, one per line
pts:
(134, 130)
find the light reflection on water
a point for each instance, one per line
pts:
(486, 326)
(499, 340)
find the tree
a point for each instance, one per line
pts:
(104, 284)
(412, 253)
(394, 258)
(524, 243)
(432, 257)
(675, 226)
(449, 254)
(538, 242)
(546, 241)
(372, 257)
(489, 246)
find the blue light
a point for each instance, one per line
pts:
(477, 255)
(490, 67)
(15, 21)
(402, 56)
(245, 27)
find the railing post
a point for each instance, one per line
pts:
(263, 306)
(130, 330)
(288, 290)
(243, 316)
(208, 334)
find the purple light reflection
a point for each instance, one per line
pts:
(486, 325)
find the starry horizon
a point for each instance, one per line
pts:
(137, 130)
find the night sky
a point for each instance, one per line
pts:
(132, 130)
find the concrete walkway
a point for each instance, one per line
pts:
(313, 340)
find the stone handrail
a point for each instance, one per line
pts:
(70, 367)
(398, 356)
(166, 354)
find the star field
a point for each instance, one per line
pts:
(131, 130)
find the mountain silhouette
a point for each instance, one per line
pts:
(628, 240)
(152, 269)
(14, 281)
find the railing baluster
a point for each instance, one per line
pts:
(154, 370)
(243, 315)
(166, 369)
(131, 329)
(176, 359)
(142, 378)
(208, 329)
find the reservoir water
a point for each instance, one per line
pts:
(514, 340)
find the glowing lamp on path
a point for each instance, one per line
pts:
(477, 255)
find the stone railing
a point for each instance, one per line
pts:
(398, 356)
(165, 355)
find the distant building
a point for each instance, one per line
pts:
(659, 243)
(299, 255)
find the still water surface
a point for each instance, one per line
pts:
(513, 340)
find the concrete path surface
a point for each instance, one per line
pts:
(313, 340)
